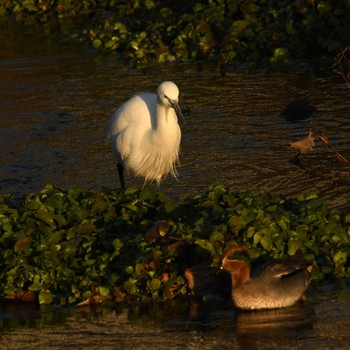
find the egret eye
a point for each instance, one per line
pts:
(169, 100)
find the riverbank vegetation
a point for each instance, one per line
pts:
(77, 246)
(230, 32)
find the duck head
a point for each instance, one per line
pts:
(236, 261)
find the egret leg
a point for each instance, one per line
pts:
(121, 175)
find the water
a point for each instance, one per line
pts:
(56, 98)
(322, 322)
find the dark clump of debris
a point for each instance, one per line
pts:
(297, 109)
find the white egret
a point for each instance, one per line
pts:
(145, 134)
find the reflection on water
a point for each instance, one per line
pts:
(320, 323)
(56, 99)
(275, 326)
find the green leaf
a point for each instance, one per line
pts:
(45, 297)
(55, 237)
(155, 284)
(205, 245)
(237, 223)
(32, 204)
(266, 243)
(45, 216)
(36, 285)
(129, 270)
(293, 246)
(282, 224)
(340, 257)
(104, 291)
(117, 244)
(97, 43)
(257, 238)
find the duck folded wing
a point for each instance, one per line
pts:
(282, 268)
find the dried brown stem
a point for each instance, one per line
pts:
(326, 142)
(341, 65)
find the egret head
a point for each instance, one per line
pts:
(168, 95)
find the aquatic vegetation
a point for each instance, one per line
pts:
(93, 245)
(250, 32)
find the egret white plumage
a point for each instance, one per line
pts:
(145, 134)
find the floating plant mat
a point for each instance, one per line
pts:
(81, 246)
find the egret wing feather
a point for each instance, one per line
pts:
(129, 122)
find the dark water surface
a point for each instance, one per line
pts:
(322, 322)
(56, 98)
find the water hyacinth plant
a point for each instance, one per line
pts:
(77, 246)
(150, 32)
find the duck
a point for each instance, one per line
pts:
(274, 283)
(208, 282)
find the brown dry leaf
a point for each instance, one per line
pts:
(306, 144)
(27, 296)
(119, 295)
(164, 277)
(95, 299)
(22, 244)
(160, 229)
(174, 247)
